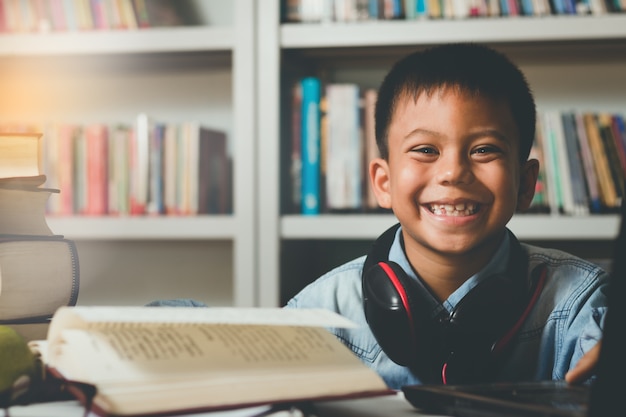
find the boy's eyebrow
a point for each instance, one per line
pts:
(421, 131)
(485, 132)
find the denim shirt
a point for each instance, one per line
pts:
(564, 323)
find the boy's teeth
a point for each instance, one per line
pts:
(459, 209)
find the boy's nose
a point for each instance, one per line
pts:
(454, 170)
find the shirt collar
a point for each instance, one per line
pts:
(497, 265)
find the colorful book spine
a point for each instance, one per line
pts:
(343, 153)
(311, 96)
(591, 180)
(295, 171)
(601, 164)
(550, 152)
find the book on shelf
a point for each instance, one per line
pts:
(343, 138)
(310, 136)
(581, 164)
(170, 360)
(316, 11)
(214, 172)
(118, 189)
(295, 151)
(605, 128)
(608, 195)
(343, 153)
(576, 169)
(615, 123)
(139, 180)
(96, 160)
(371, 148)
(155, 200)
(39, 274)
(591, 180)
(66, 15)
(553, 162)
(148, 167)
(58, 161)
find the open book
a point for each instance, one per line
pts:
(160, 360)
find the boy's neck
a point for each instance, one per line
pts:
(445, 273)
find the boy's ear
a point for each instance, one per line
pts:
(528, 181)
(379, 179)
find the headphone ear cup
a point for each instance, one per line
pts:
(389, 304)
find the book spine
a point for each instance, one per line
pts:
(311, 96)
(371, 148)
(66, 176)
(595, 203)
(40, 274)
(344, 150)
(170, 171)
(140, 165)
(564, 175)
(119, 150)
(540, 202)
(97, 175)
(295, 172)
(552, 164)
(80, 171)
(611, 152)
(579, 189)
(619, 135)
(213, 172)
(155, 184)
(601, 164)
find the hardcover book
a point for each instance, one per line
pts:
(23, 210)
(39, 274)
(171, 360)
(20, 155)
(311, 97)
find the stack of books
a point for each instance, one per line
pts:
(39, 270)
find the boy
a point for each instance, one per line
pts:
(450, 295)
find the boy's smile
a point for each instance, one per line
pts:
(453, 175)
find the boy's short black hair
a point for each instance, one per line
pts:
(467, 67)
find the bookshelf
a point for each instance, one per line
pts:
(203, 73)
(572, 62)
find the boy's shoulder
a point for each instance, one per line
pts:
(340, 285)
(562, 263)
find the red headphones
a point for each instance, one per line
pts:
(462, 346)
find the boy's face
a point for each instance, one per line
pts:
(453, 177)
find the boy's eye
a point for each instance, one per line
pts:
(485, 150)
(425, 150)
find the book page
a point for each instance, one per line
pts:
(83, 317)
(141, 351)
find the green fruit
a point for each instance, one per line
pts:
(16, 359)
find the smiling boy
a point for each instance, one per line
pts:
(450, 295)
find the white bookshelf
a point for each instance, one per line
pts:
(228, 74)
(525, 227)
(572, 62)
(489, 30)
(147, 227)
(155, 40)
(199, 73)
